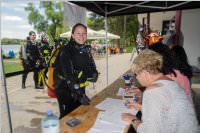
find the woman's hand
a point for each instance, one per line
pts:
(134, 105)
(127, 117)
(135, 91)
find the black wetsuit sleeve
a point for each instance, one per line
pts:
(92, 71)
(92, 61)
(66, 65)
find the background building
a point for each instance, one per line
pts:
(189, 29)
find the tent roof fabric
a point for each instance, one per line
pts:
(92, 34)
(109, 35)
(117, 8)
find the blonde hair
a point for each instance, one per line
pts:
(148, 60)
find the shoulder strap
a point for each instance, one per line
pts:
(54, 55)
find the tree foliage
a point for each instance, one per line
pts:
(9, 41)
(116, 26)
(51, 21)
(95, 21)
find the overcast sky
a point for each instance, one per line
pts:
(14, 22)
(14, 19)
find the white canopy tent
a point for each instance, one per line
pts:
(109, 35)
(92, 34)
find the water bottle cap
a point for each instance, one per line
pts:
(49, 113)
(126, 77)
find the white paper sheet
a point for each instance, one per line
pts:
(114, 116)
(109, 103)
(113, 109)
(115, 105)
(121, 92)
(92, 130)
(102, 126)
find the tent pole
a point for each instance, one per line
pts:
(106, 29)
(148, 23)
(3, 82)
(178, 26)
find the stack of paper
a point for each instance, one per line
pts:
(110, 121)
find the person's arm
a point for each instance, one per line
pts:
(135, 123)
(24, 47)
(134, 105)
(137, 39)
(131, 119)
(151, 114)
(92, 69)
(66, 65)
(134, 90)
(127, 117)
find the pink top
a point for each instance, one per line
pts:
(183, 81)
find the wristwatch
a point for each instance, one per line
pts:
(133, 121)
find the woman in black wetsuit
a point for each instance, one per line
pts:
(74, 68)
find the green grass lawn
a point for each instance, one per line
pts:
(12, 65)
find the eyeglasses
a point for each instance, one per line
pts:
(137, 73)
(33, 35)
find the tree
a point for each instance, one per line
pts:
(124, 26)
(11, 41)
(132, 27)
(95, 21)
(51, 21)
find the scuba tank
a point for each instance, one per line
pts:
(50, 82)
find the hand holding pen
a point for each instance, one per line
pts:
(133, 105)
(134, 90)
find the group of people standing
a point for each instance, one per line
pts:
(167, 104)
(33, 56)
(73, 67)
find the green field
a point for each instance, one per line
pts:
(12, 65)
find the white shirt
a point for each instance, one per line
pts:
(167, 109)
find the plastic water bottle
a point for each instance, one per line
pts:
(50, 124)
(127, 80)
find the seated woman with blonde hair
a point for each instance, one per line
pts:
(174, 68)
(165, 106)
